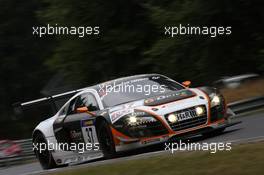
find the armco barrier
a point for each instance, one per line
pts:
(27, 154)
(242, 106)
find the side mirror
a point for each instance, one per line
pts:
(82, 110)
(187, 83)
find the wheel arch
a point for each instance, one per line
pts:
(35, 132)
(100, 119)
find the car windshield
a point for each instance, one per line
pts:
(115, 93)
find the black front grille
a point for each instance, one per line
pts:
(188, 123)
(146, 130)
(140, 129)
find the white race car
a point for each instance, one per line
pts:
(126, 114)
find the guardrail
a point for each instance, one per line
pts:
(28, 154)
(242, 106)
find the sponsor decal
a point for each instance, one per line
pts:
(89, 134)
(87, 123)
(102, 91)
(180, 93)
(129, 105)
(74, 134)
(150, 100)
(126, 106)
(186, 115)
(173, 96)
(118, 114)
(155, 77)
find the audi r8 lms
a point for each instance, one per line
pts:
(126, 114)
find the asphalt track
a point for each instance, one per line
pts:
(251, 129)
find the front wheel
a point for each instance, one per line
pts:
(42, 153)
(106, 140)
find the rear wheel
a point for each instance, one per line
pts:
(106, 140)
(42, 153)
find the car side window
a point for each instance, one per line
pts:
(71, 108)
(64, 110)
(88, 100)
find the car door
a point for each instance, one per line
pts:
(78, 127)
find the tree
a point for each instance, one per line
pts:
(115, 52)
(22, 69)
(201, 57)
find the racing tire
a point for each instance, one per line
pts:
(214, 133)
(45, 157)
(106, 140)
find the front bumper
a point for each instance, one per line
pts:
(125, 145)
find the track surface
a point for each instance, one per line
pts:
(251, 128)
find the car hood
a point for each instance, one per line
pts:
(169, 97)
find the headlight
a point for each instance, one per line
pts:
(140, 120)
(172, 118)
(199, 110)
(215, 100)
(140, 124)
(132, 120)
(179, 116)
(135, 119)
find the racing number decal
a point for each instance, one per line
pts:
(89, 134)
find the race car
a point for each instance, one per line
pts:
(126, 114)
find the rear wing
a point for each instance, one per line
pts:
(47, 106)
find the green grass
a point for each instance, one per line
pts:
(245, 159)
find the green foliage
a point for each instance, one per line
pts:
(204, 58)
(125, 32)
(131, 41)
(22, 72)
(21, 65)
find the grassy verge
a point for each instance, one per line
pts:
(241, 160)
(246, 90)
